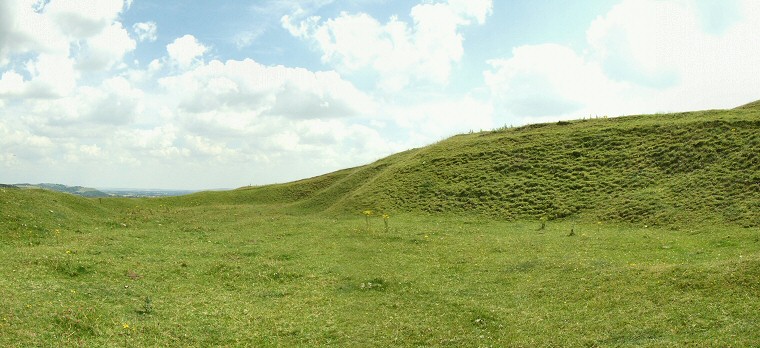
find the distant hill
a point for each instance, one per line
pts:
(668, 169)
(77, 190)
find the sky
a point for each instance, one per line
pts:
(180, 94)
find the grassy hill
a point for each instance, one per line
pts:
(668, 169)
(297, 264)
(77, 190)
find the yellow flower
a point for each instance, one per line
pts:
(386, 216)
(367, 212)
(125, 325)
(68, 251)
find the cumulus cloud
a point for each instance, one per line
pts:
(88, 111)
(37, 38)
(68, 97)
(645, 41)
(19, 144)
(51, 76)
(643, 57)
(547, 80)
(84, 18)
(106, 49)
(146, 31)
(441, 117)
(114, 102)
(398, 52)
(23, 30)
(186, 51)
(262, 91)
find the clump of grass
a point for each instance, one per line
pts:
(367, 214)
(79, 321)
(374, 284)
(543, 223)
(147, 307)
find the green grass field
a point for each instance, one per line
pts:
(645, 242)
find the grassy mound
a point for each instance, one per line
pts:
(33, 215)
(656, 169)
(283, 265)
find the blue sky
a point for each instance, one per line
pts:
(209, 94)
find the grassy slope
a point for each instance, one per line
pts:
(267, 266)
(236, 274)
(659, 169)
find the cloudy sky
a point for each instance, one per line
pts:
(221, 94)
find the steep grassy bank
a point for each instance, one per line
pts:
(672, 169)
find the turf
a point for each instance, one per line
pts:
(667, 170)
(502, 238)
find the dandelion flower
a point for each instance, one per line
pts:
(125, 326)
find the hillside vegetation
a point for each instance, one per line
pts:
(77, 190)
(297, 265)
(668, 169)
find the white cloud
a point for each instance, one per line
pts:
(478, 9)
(84, 18)
(21, 144)
(87, 112)
(399, 53)
(114, 102)
(645, 42)
(547, 80)
(107, 48)
(203, 146)
(11, 84)
(644, 57)
(51, 76)
(439, 118)
(249, 90)
(68, 101)
(146, 31)
(23, 30)
(185, 51)
(248, 37)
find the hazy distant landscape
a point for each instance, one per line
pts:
(105, 192)
(127, 192)
(633, 231)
